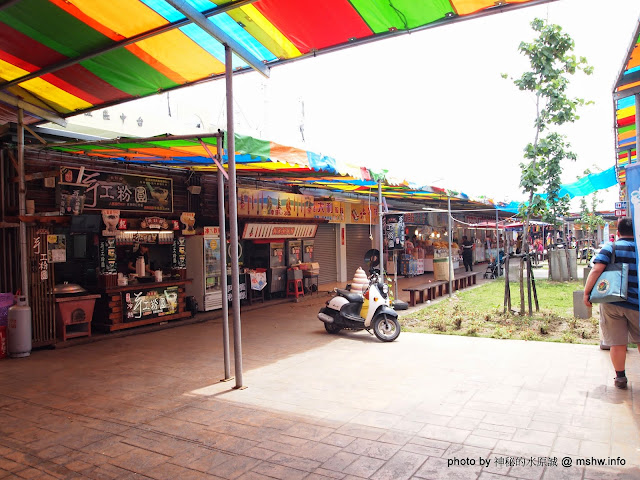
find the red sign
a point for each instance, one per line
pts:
(253, 231)
(621, 212)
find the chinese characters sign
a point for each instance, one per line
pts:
(108, 256)
(40, 252)
(272, 204)
(119, 191)
(150, 303)
(254, 231)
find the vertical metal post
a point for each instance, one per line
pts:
(626, 190)
(450, 266)
(381, 233)
(233, 219)
(498, 244)
(637, 135)
(22, 208)
(223, 270)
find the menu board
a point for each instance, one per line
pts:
(150, 302)
(108, 255)
(135, 193)
(179, 253)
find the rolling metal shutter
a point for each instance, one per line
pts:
(358, 243)
(324, 252)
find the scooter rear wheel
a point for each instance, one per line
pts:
(386, 328)
(331, 328)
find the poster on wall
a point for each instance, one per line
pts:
(57, 248)
(273, 204)
(134, 193)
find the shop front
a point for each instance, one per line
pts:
(106, 251)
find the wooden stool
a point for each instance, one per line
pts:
(295, 288)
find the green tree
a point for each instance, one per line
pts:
(551, 63)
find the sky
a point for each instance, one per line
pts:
(432, 106)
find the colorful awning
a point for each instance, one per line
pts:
(257, 159)
(624, 98)
(65, 57)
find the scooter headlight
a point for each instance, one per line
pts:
(385, 288)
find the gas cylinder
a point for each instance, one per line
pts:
(19, 332)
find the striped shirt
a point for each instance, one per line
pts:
(625, 253)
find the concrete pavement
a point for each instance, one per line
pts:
(317, 406)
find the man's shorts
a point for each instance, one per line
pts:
(619, 325)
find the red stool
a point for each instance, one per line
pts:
(295, 288)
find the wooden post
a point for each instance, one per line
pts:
(521, 286)
(529, 275)
(507, 292)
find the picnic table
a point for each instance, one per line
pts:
(439, 287)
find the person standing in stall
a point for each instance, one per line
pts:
(467, 254)
(139, 250)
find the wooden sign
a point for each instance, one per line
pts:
(136, 193)
(150, 302)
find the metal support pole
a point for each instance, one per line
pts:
(498, 245)
(22, 208)
(381, 233)
(223, 276)
(637, 137)
(233, 219)
(450, 266)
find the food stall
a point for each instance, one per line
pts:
(121, 227)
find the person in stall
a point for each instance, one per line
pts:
(139, 250)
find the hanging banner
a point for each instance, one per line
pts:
(394, 232)
(273, 204)
(57, 248)
(104, 190)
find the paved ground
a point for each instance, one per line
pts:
(317, 406)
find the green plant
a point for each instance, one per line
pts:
(568, 337)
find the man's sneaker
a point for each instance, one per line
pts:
(620, 382)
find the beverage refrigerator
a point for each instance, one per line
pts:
(203, 267)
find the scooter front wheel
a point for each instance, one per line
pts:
(331, 328)
(386, 328)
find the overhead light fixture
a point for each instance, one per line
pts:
(194, 189)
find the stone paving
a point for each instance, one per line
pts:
(317, 406)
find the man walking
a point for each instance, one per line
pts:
(618, 320)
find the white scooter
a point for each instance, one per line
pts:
(368, 311)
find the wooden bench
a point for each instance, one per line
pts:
(432, 289)
(464, 280)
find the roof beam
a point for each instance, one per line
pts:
(32, 109)
(201, 20)
(114, 46)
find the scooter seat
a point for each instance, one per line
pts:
(352, 297)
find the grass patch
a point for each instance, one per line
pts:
(480, 312)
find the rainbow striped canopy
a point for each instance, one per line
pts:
(63, 57)
(627, 86)
(258, 159)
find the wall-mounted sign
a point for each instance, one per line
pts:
(41, 255)
(150, 302)
(154, 222)
(363, 212)
(333, 211)
(419, 218)
(189, 221)
(71, 198)
(273, 204)
(108, 256)
(179, 253)
(111, 219)
(211, 230)
(57, 248)
(120, 191)
(253, 231)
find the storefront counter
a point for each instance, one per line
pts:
(140, 304)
